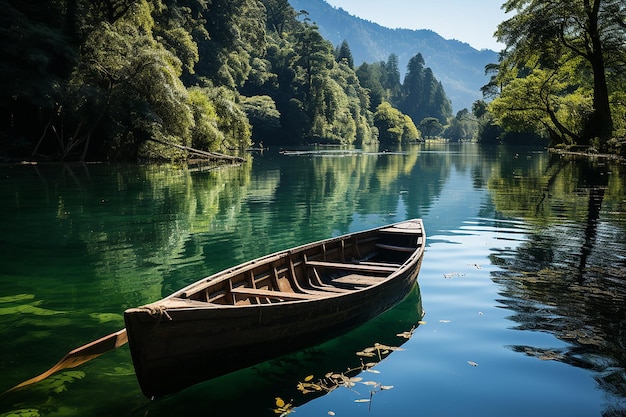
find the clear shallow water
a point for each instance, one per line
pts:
(523, 282)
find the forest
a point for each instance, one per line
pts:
(130, 80)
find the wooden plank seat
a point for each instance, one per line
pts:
(395, 248)
(351, 267)
(255, 292)
(378, 263)
(357, 280)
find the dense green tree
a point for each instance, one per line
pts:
(280, 16)
(422, 95)
(370, 76)
(382, 79)
(488, 131)
(392, 78)
(393, 126)
(563, 66)
(343, 54)
(430, 127)
(462, 127)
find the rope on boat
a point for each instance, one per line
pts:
(159, 311)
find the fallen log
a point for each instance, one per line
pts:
(198, 152)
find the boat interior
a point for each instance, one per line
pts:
(335, 266)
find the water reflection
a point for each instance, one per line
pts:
(79, 244)
(568, 277)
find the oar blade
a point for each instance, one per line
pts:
(80, 355)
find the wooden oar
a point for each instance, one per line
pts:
(81, 355)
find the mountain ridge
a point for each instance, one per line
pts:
(459, 66)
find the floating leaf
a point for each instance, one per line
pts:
(374, 371)
(472, 363)
(386, 387)
(444, 321)
(331, 413)
(283, 408)
(421, 322)
(371, 383)
(362, 400)
(308, 378)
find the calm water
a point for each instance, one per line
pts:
(523, 284)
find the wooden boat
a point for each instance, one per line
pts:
(271, 306)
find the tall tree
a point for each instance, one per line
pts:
(280, 16)
(422, 95)
(343, 54)
(583, 37)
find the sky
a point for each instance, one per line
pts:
(469, 21)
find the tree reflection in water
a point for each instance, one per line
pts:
(569, 276)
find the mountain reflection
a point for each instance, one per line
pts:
(569, 277)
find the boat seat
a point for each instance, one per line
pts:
(378, 263)
(355, 279)
(255, 292)
(352, 267)
(395, 248)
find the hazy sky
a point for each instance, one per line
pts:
(470, 21)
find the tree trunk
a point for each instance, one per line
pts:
(600, 124)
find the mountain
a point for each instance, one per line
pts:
(459, 67)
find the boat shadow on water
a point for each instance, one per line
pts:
(279, 386)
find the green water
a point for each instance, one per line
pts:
(523, 281)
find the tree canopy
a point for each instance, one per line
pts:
(562, 72)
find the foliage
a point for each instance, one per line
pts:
(115, 80)
(122, 79)
(422, 95)
(562, 71)
(344, 55)
(393, 126)
(463, 127)
(430, 127)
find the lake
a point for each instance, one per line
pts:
(520, 308)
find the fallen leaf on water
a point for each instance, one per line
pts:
(472, 363)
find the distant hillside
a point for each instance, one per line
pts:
(459, 67)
